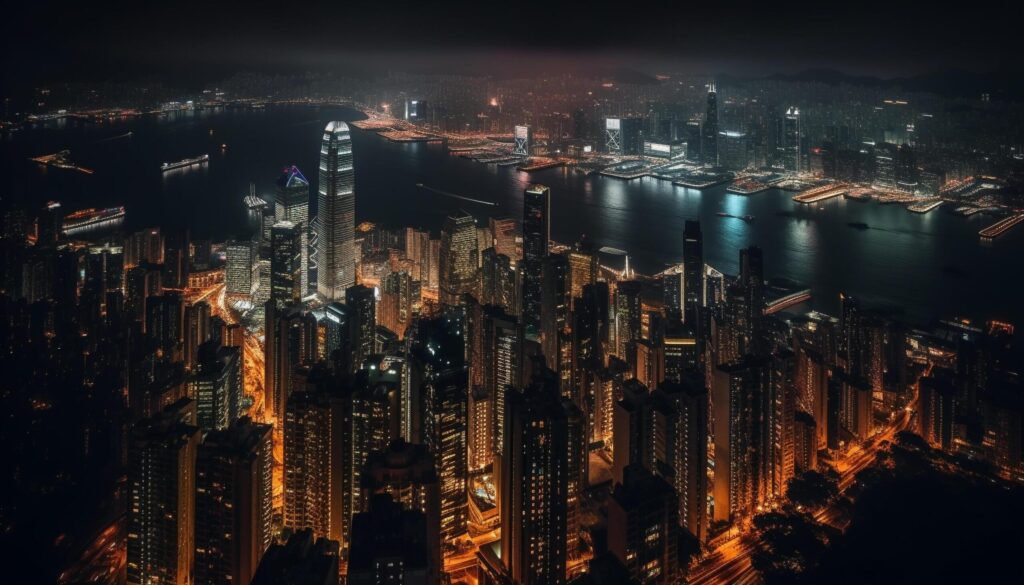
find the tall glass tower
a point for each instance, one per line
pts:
(292, 204)
(709, 148)
(336, 213)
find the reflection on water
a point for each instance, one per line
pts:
(931, 264)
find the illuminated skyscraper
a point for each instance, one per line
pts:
(362, 313)
(241, 274)
(440, 368)
(292, 204)
(680, 445)
(536, 239)
(458, 258)
(643, 526)
(536, 473)
(336, 211)
(693, 271)
(709, 143)
(286, 262)
(161, 497)
(234, 503)
(790, 140)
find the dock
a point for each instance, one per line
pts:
(925, 206)
(1002, 226)
(821, 193)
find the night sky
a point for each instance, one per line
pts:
(192, 41)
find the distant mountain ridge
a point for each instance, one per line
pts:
(951, 83)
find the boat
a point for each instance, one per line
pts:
(184, 163)
(87, 219)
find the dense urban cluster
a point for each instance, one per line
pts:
(322, 400)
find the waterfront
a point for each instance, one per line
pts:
(929, 265)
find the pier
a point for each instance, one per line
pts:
(821, 193)
(1002, 226)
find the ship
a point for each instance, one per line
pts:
(88, 219)
(184, 163)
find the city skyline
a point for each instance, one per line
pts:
(573, 297)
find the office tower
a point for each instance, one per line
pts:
(336, 211)
(337, 336)
(554, 312)
(624, 136)
(161, 497)
(408, 473)
(672, 288)
(396, 302)
(458, 258)
(907, 174)
(752, 279)
(362, 313)
(391, 545)
(643, 526)
(305, 558)
(709, 142)
(291, 204)
(693, 271)
(681, 352)
(439, 364)
(234, 503)
(536, 240)
(680, 419)
(627, 317)
(165, 323)
(503, 236)
(742, 395)
(583, 268)
(144, 246)
(197, 331)
(631, 422)
(376, 420)
(216, 386)
(805, 442)
(285, 262)
(855, 411)
(650, 362)
(536, 476)
(885, 167)
(141, 282)
(290, 342)
(317, 450)
(811, 387)
(498, 281)
(789, 138)
(240, 273)
(938, 404)
(523, 140)
(733, 150)
(502, 347)
(176, 259)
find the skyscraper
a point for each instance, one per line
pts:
(693, 271)
(292, 204)
(790, 139)
(441, 370)
(161, 496)
(536, 474)
(336, 211)
(286, 262)
(709, 144)
(234, 503)
(536, 239)
(458, 258)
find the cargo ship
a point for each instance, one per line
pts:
(88, 219)
(184, 163)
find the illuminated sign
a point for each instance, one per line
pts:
(612, 123)
(658, 147)
(522, 131)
